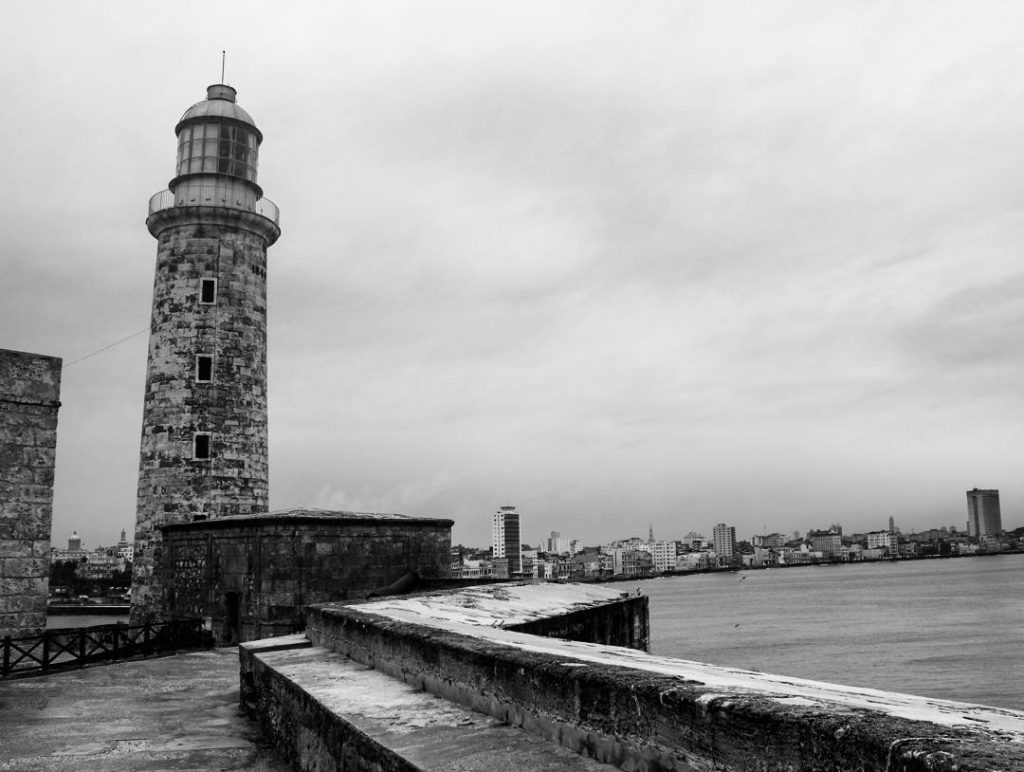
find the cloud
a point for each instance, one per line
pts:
(667, 262)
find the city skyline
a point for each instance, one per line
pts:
(674, 262)
(543, 542)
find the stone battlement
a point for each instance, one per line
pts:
(627, 708)
(29, 400)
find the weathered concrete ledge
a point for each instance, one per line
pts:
(641, 712)
(328, 712)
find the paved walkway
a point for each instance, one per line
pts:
(171, 713)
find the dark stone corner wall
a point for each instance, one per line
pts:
(253, 577)
(625, 622)
(29, 400)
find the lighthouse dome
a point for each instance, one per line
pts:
(219, 105)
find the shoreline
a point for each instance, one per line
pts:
(733, 569)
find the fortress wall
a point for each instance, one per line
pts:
(252, 576)
(29, 400)
(639, 712)
(626, 622)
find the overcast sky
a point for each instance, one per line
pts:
(617, 264)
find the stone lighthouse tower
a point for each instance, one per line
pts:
(204, 424)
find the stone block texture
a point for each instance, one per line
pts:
(253, 576)
(227, 250)
(29, 400)
(633, 711)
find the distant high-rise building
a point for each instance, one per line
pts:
(983, 516)
(693, 539)
(724, 537)
(507, 539)
(558, 544)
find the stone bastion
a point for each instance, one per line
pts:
(553, 676)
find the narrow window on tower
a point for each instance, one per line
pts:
(204, 368)
(201, 447)
(208, 291)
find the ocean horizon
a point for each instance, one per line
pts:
(950, 629)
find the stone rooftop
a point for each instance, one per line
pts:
(170, 713)
(308, 515)
(494, 605)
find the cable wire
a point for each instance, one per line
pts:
(106, 348)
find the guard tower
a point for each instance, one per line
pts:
(204, 425)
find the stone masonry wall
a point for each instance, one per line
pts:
(625, 623)
(640, 719)
(254, 576)
(29, 399)
(196, 244)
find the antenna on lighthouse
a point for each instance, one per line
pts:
(223, 58)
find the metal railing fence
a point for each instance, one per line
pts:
(71, 648)
(213, 196)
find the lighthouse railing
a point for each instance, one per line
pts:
(264, 207)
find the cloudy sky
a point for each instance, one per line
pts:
(618, 264)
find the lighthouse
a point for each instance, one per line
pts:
(204, 425)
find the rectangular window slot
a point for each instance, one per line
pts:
(201, 447)
(208, 291)
(204, 368)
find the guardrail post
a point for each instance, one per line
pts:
(46, 650)
(81, 645)
(145, 639)
(7, 654)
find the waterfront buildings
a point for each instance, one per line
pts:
(663, 555)
(631, 562)
(879, 539)
(101, 563)
(693, 540)
(506, 542)
(984, 520)
(592, 562)
(772, 541)
(724, 538)
(828, 543)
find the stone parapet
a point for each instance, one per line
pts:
(325, 712)
(642, 712)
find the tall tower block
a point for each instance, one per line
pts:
(204, 424)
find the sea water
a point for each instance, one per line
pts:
(950, 628)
